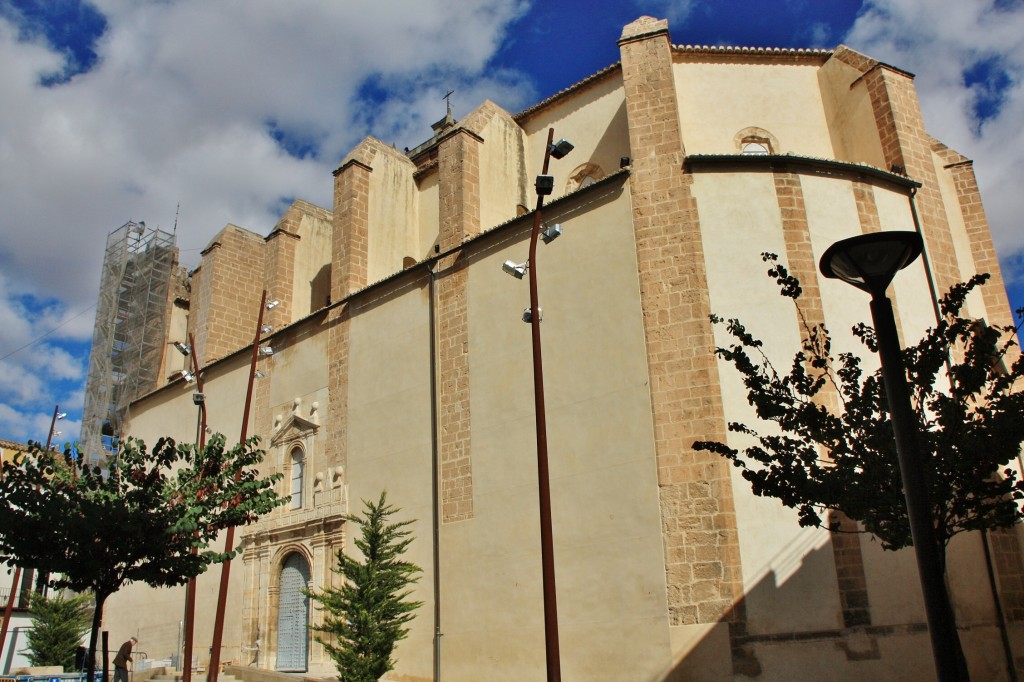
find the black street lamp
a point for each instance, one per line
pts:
(869, 262)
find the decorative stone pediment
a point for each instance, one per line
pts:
(294, 427)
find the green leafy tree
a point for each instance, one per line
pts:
(138, 521)
(366, 616)
(966, 382)
(58, 626)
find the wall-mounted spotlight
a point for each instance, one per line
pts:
(266, 350)
(198, 398)
(183, 348)
(266, 329)
(561, 148)
(61, 415)
(545, 185)
(517, 270)
(528, 315)
(624, 162)
(273, 304)
(187, 375)
(260, 375)
(551, 233)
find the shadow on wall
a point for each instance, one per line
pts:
(745, 645)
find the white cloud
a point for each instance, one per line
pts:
(180, 108)
(942, 42)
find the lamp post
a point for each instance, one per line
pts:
(9, 607)
(544, 186)
(199, 398)
(869, 262)
(229, 539)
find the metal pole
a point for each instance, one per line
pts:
(190, 589)
(53, 424)
(225, 570)
(949, 664)
(17, 571)
(547, 552)
(9, 608)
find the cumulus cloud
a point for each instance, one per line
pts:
(222, 108)
(969, 62)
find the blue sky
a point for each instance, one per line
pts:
(117, 111)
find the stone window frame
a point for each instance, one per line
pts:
(583, 175)
(755, 135)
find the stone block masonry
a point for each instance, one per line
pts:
(702, 560)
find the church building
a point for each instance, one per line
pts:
(401, 362)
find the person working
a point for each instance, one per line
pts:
(124, 656)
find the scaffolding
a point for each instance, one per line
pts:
(129, 336)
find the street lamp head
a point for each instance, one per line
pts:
(561, 148)
(870, 261)
(517, 270)
(545, 185)
(551, 233)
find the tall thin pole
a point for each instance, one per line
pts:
(547, 552)
(190, 590)
(949, 662)
(225, 570)
(9, 608)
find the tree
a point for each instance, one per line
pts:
(965, 380)
(365, 617)
(96, 531)
(58, 626)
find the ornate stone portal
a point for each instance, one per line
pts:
(308, 532)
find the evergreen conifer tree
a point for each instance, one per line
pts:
(58, 626)
(366, 616)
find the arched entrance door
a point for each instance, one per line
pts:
(293, 616)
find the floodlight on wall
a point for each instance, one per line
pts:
(551, 233)
(528, 316)
(198, 398)
(266, 329)
(517, 270)
(561, 148)
(266, 350)
(188, 376)
(273, 304)
(183, 348)
(260, 375)
(545, 185)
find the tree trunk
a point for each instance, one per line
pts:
(97, 620)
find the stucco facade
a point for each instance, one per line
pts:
(401, 363)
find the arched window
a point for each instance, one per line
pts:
(583, 176)
(755, 147)
(297, 466)
(755, 141)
